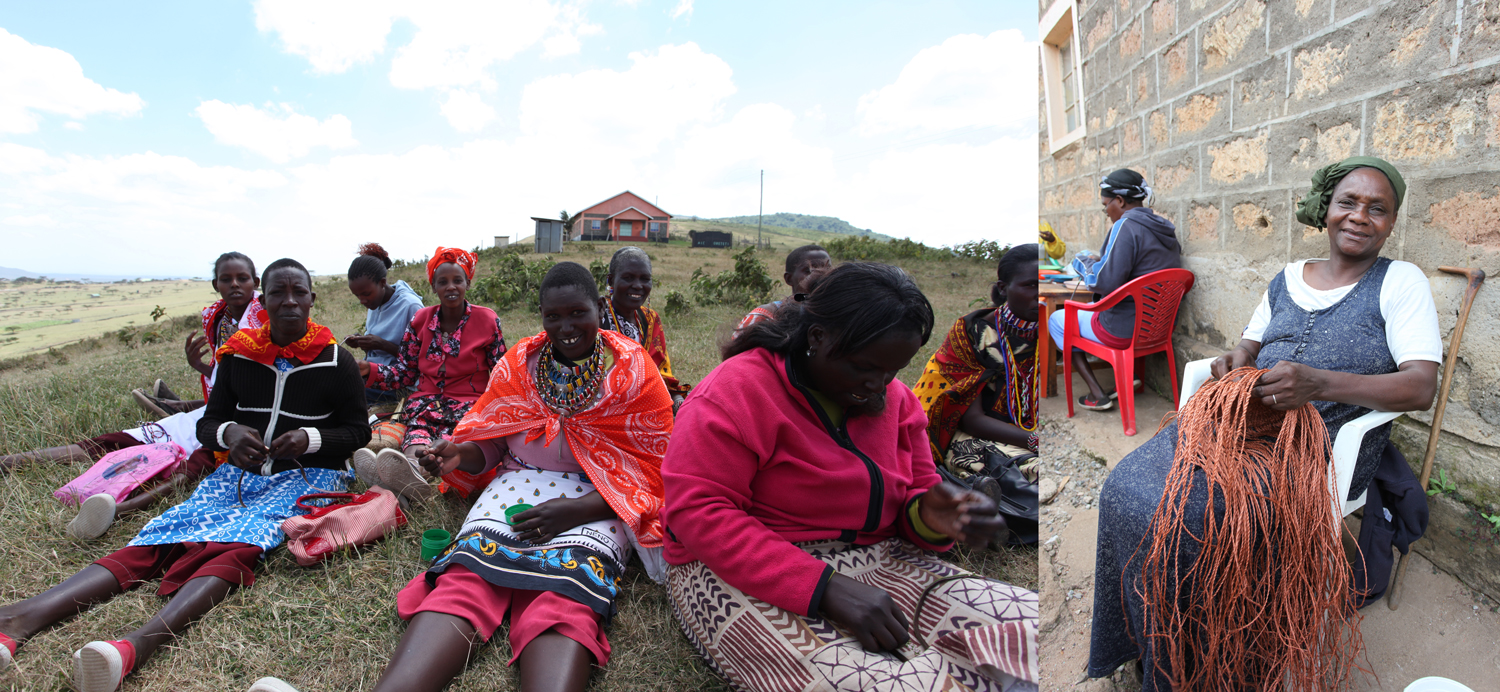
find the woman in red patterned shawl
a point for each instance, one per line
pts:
(576, 420)
(446, 354)
(980, 388)
(625, 312)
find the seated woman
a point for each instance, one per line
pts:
(236, 309)
(625, 312)
(575, 419)
(802, 502)
(980, 390)
(1139, 242)
(1376, 346)
(272, 383)
(446, 353)
(389, 308)
(802, 266)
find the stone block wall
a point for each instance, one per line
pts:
(1227, 107)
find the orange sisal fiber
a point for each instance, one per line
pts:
(1268, 601)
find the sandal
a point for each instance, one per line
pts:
(150, 403)
(160, 390)
(1092, 405)
(1137, 386)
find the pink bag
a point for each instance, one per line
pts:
(362, 520)
(120, 472)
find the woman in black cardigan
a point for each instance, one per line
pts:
(287, 382)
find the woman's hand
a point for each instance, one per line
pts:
(961, 514)
(195, 348)
(1231, 361)
(370, 342)
(289, 445)
(1047, 236)
(364, 368)
(246, 450)
(1289, 385)
(546, 521)
(868, 612)
(441, 459)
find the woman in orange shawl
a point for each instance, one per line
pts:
(626, 312)
(576, 420)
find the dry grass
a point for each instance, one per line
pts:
(332, 627)
(36, 317)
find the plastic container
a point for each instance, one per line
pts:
(513, 510)
(1437, 684)
(433, 542)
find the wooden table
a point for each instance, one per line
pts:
(1052, 297)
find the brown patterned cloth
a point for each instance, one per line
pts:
(981, 634)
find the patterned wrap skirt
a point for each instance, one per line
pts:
(583, 563)
(980, 634)
(232, 505)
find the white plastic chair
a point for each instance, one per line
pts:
(1345, 445)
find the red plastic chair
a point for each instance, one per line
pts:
(1157, 296)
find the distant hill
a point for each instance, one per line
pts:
(12, 273)
(826, 224)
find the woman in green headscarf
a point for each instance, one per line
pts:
(1349, 333)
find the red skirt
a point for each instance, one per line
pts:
(464, 594)
(178, 563)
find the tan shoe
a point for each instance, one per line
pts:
(402, 475)
(95, 516)
(366, 467)
(271, 685)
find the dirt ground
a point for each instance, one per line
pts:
(1442, 628)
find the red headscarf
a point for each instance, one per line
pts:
(443, 255)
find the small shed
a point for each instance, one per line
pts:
(711, 238)
(549, 235)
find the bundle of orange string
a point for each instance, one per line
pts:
(1268, 600)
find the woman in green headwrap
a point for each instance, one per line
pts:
(1350, 333)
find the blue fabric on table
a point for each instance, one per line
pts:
(213, 512)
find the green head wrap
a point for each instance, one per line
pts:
(1313, 209)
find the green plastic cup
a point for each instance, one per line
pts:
(513, 510)
(433, 542)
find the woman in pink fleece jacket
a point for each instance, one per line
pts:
(802, 509)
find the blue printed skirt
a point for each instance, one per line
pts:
(232, 505)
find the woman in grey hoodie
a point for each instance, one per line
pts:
(1139, 242)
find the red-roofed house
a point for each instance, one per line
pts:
(626, 216)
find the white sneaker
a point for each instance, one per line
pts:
(365, 466)
(402, 475)
(94, 517)
(271, 685)
(98, 667)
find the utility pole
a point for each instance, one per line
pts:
(761, 217)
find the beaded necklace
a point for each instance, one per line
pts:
(1022, 378)
(569, 388)
(627, 328)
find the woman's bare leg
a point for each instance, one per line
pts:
(90, 586)
(62, 455)
(1081, 366)
(192, 601)
(434, 650)
(149, 497)
(553, 662)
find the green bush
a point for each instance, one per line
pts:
(677, 304)
(600, 269)
(988, 251)
(865, 248)
(515, 281)
(746, 285)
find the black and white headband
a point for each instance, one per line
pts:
(1119, 189)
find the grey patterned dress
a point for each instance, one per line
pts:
(1348, 336)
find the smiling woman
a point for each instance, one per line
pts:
(1347, 334)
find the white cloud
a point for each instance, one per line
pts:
(455, 45)
(684, 7)
(37, 220)
(39, 79)
(466, 111)
(966, 81)
(277, 133)
(631, 112)
(333, 35)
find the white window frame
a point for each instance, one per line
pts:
(1059, 27)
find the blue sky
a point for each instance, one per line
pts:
(147, 138)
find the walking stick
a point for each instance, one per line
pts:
(1476, 277)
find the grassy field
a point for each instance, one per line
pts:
(332, 627)
(35, 317)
